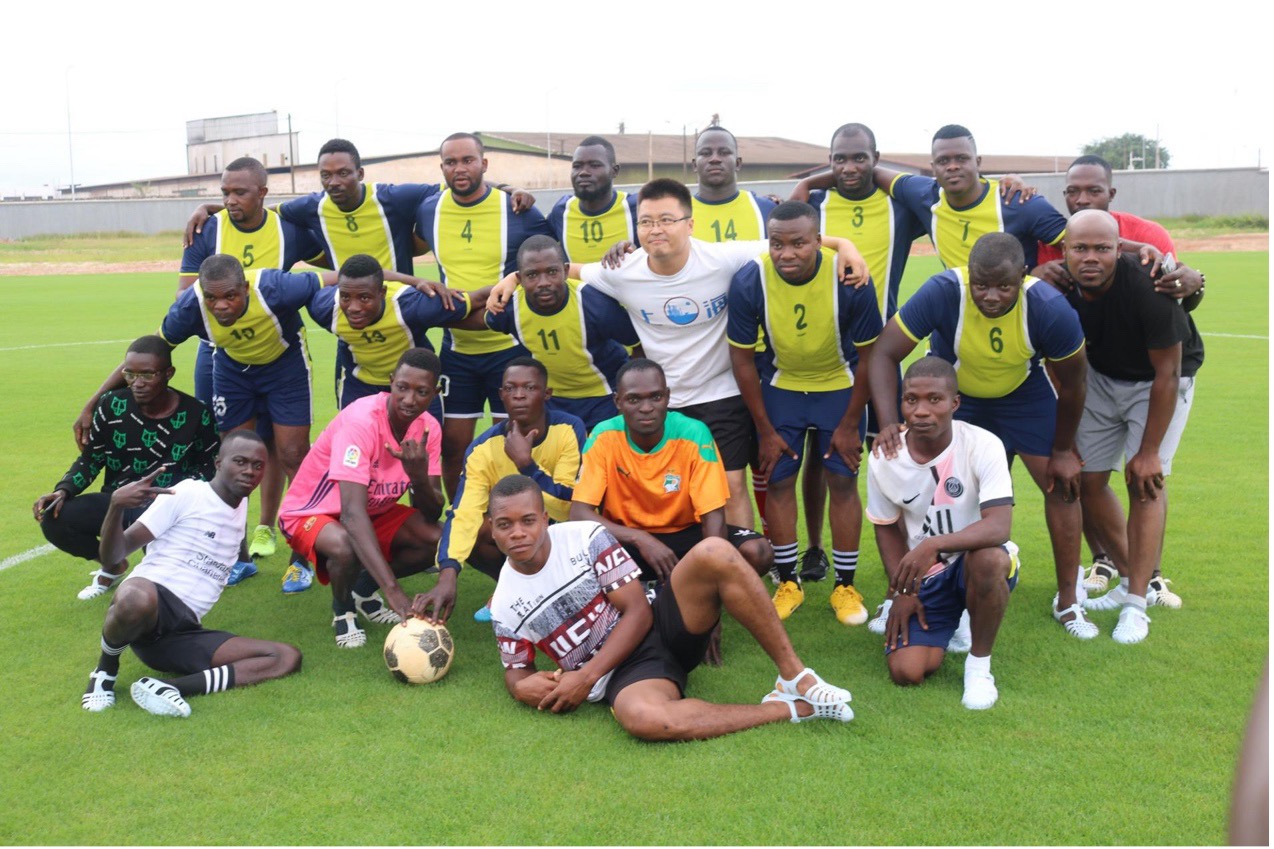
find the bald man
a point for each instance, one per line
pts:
(1135, 409)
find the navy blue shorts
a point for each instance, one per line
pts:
(589, 410)
(280, 390)
(943, 596)
(793, 413)
(475, 378)
(1024, 420)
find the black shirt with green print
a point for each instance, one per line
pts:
(126, 444)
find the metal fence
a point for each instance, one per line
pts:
(1151, 194)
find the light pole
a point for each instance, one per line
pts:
(70, 145)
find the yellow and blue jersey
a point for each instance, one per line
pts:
(276, 243)
(992, 356)
(881, 228)
(555, 462)
(739, 219)
(586, 238)
(476, 244)
(811, 328)
(954, 230)
(380, 226)
(370, 354)
(582, 343)
(269, 327)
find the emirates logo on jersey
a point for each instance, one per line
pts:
(953, 487)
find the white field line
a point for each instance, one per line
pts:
(1227, 336)
(29, 554)
(65, 345)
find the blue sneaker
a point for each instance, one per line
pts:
(298, 577)
(241, 571)
(482, 614)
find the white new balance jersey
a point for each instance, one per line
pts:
(196, 543)
(945, 495)
(562, 609)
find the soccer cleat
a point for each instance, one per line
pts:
(813, 565)
(159, 697)
(1079, 626)
(979, 690)
(96, 587)
(787, 598)
(1133, 627)
(98, 697)
(348, 634)
(241, 571)
(1100, 576)
(877, 624)
(1112, 600)
(840, 711)
(962, 640)
(263, 542)
(374, 609)
(1159, 594)
(773, 575)
(847, 601)
(297, 578)
(482, 614)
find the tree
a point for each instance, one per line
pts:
(1131, 150)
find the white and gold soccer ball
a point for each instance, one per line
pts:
(418, 651)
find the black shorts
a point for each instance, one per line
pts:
(179, 643)
(732, 428)
(687, 538)
(668, 650)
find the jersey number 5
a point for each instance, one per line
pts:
(248, 258)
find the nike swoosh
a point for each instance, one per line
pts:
(911, 499)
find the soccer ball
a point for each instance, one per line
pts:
(418, 651)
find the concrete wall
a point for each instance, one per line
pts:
(1152, 194)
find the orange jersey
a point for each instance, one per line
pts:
(660, 491)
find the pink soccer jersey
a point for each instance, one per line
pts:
(353, 448)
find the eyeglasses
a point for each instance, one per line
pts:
(143, 376)
(663, 223)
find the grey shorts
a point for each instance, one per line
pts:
(1115, 418)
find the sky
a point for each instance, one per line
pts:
(397, 78)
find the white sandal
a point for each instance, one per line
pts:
(96, 588)
(350, 636)
(1078, 627)
(821, 693)
(98, 698)
(840, 710)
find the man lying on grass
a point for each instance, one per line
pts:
(571, 590)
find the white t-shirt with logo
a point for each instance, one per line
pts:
(562, 609)
(945, 495)
(681, 318)
(197, 537)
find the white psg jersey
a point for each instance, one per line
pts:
(197, 537)
(562, 609)
(945, 495)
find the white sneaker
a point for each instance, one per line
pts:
(979, 690)
(1133, 627)
(160, 698)
(1158, 593)
(962, 640)
(877, 624)
(1116, 598)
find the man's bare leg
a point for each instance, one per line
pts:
(738, 510)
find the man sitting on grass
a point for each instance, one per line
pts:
(192, 534)
(571, 590)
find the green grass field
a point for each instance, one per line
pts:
(1091, 743)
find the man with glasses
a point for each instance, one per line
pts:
(133, 431)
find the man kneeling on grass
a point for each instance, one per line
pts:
(943, 508)
(571, 590)
(191, 533)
